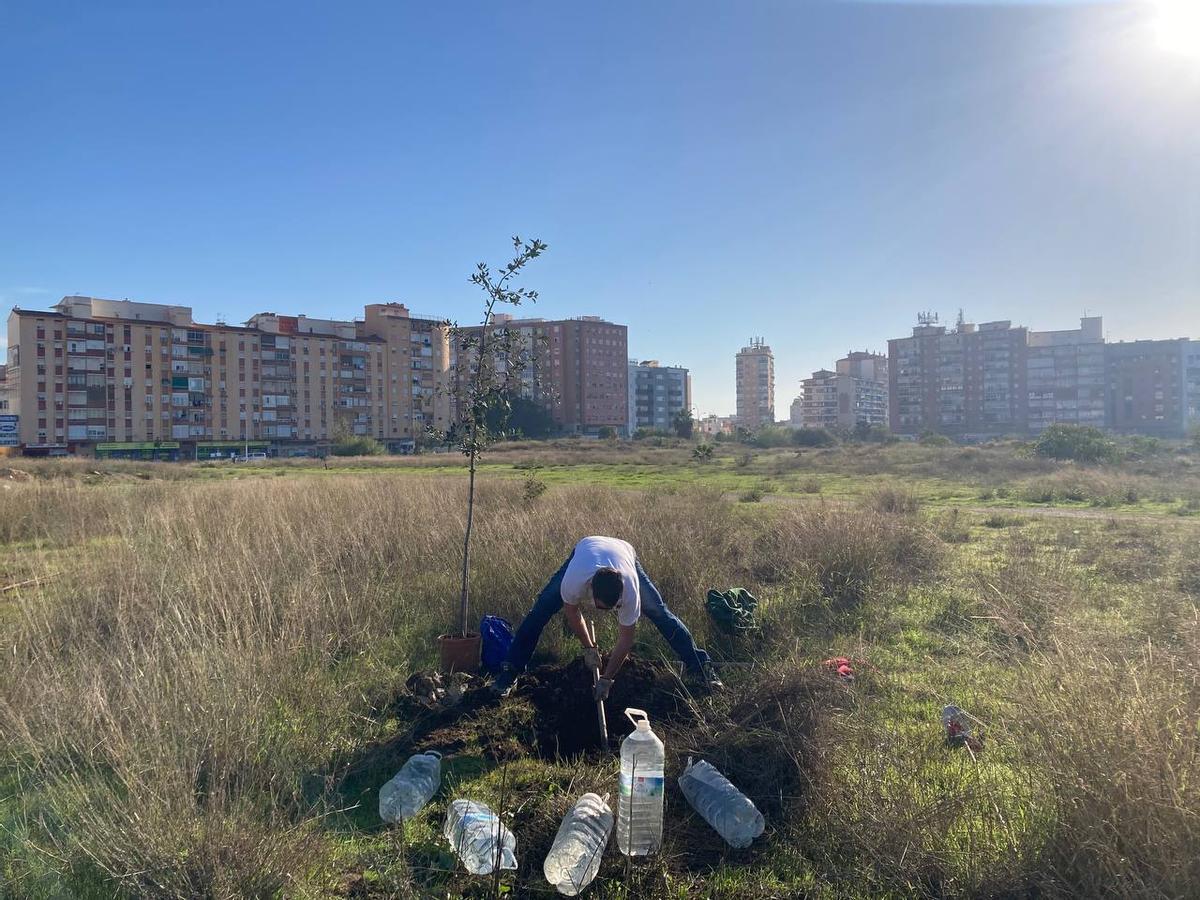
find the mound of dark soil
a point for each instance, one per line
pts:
(565, 715)
(550, 714)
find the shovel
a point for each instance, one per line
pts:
(590, 627)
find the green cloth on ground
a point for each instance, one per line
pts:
(732, 610)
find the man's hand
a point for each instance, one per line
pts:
(591, 657)
(600, 692)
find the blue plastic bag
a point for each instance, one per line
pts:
(497, 637)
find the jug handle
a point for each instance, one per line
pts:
(630, 713)
(434, 753)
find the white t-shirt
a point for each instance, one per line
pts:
(596, 552)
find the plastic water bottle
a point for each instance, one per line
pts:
(574, 859)
(640, 805)
(416, 782)
(479, 837)
(730, 812)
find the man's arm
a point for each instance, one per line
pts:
(625, 635)
(575, 621)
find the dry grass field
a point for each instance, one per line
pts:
(202, 685)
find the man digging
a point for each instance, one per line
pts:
(604, 572)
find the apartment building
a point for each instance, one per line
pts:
(656, 395)
(578, 370)
(1148, 387)
(966, 381)
(712, 425)
(9, 438)
(1065, 376)
(120, 378)
(819, 400)
(995, 379)
(1191, 375)
(856, 393)
(755, 385)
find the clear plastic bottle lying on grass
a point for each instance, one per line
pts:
(414, 785)
(479, 838)
(730, 812)
(579, 845)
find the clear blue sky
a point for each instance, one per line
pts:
(812, 172)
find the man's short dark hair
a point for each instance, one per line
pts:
(607, 587)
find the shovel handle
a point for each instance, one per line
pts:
(601, 718)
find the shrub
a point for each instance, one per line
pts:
(703, 452)
(951, 529)
(760, 490)
(1078, 443)
(933, 439)
(863, 433)
(356, 445)
(810, 486)
(533, 487)
(813, 437)
(1141, 446)
(1188, 506)
(1000, 520)
(645, 434)
(1097, 487)
(770, 436)
(893, 500)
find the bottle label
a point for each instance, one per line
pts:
(642, 786)
(472, 817)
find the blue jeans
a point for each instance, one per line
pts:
(550, 601)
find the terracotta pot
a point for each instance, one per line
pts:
(459, 653)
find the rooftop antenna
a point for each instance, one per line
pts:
(927, 318)
(962, 320)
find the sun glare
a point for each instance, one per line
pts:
(1178, 26)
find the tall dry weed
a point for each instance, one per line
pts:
(1117, 742)
(841, 556)
(182, 687)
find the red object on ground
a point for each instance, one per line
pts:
(840, 665)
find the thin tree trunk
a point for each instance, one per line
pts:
(463, 603)
(464, 597)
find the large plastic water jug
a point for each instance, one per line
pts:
(723, 806)
(414, 785)
(479, 837)
(640, 803)
(575, 856)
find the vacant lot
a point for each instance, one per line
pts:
(204, 668)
